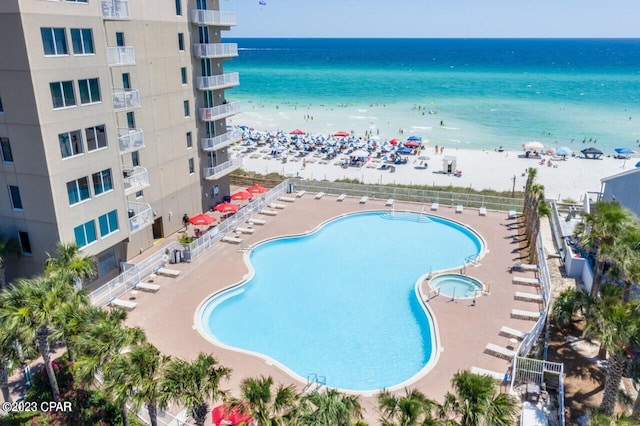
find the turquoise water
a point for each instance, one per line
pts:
(485, 92)
(341, 302)
(457, 286)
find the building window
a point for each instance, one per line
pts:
(107, 261)
(25, 244)
(85, 233)
(77, 1)
(192, 168)
(180, 41)
(189, 140)
(1, 107)
(54, 41)
(70, 143)
(186, 108)
(126, 80)
(62, 94)
(120, 39)
(201, 4)
(179, 7)
(135, 158)
(96, 137)
(108, 223)
(183, 74)
(102, 182)
(5, 150)
(131, 120)
(82, 41)
(78, 190)
(89, 90)
(14, 196)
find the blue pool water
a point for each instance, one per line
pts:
(341, 302)
(455, 285)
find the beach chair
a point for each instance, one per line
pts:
(525, 315)
(435, 206)
(244, 230)
(529, 297)
(526, 281)
(341, 197)
(257, 221)
(268, 212)
(126, 305)
(230, 239)
(364, 199)
(171, 273)
(482, 211)
(512, 214)
(512, 332)
(459, 208)
(499, 351)
(494, 374)
(277, 206)
(287, 199)
(525, 267)
(389, 202)
(148, 287)
(299, 194)
(319, 195)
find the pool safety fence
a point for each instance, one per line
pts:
(133, 274)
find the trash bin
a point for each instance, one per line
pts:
(186, 256)
(176, 256)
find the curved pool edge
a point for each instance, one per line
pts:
(433, 324)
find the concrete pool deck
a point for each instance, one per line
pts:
(464, 330)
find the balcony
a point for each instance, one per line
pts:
(215, 82)
(120, 56)
(135, 179)
(115, 9)
(220, 111)
(215, 50)
(222, 141)
(213, 17)
(125, 99)
(140, 216)
(213, 173)
(130, 140)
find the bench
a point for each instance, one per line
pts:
(459, 208)
(256, 221)
(512, 214)
(499, 351)
(512, 332)
(268, 212)
(364, 199)
(287, 199)
(341, 197)
(525, 281)
(244, 230)
(525, 315)
(389, 202)
(277, 206)
(148, 287)
(529, 297)
(126, 305)
(494, 374)
(172, 273)
(233, 240)
(299, 194)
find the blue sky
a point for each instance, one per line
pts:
(429, 18)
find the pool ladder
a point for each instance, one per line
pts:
(469, 260)
(314, 383)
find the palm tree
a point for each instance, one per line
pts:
(626, 252)
(477, 401)
(600, 419)
(268, 406)
(412, 408)
(10, 357)
(136, 376)
(599, 232)
(194, 384)
(328, 407)
(8, 246)
(71, 318)
(70, 264)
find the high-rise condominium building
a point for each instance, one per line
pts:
(112, 123)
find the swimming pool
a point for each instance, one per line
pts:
(340, 302)
(456, 286)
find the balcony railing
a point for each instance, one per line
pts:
(115, 9)
(215, 50)
(213, 17)
(213, 173)
(130, 140)
(140, 216)
(220, 81)
(124, 99)
(220, 111)
(135, 179)
(120, 56)
(219, 142)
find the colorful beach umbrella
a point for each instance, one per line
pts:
(624, 151)
(241, 195)
(226, 415)
(563, 151)
(533, 146)
(226, 207)
(202, 219)
(297, 132)
(414, 138)
(394, 141)
(341, 134)
(256, 189)
(412, 144)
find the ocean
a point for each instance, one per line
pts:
(467, 93)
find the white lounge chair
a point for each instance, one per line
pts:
(499, 351)
(512, 332)
(435, 206)
(526, 315)
(148, 287)
(244, 230)
(277, 206)
(525, 267)
(364, 199)
(389, 202)
(482, 211)
(526, 281)
(319, 195)
(230, 239)
(127, 305)
(299, 194)
(459, 208)
(494, 374)
(268, 212)
(287, 199)
(256, 221)
(173, 273)
(341, 197)
(512, 214)
(529, 297)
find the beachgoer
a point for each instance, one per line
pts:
(441, 123)
(185, 221)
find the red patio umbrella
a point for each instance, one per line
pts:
(257, 189)
(202, 219)
(223, 415)
(341, 134)
(394, 141)
(412, 144)
(297, 132)
(226, 207)
(241, 195)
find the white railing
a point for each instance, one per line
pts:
(221, 141)
(213, 173)
(220, 111)
(220, 81)
(135, 179)
(215, 50)
(121, 55)
(126, 99)
(130, 140)
(140, 216)
(115, 9)
(213, 17)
